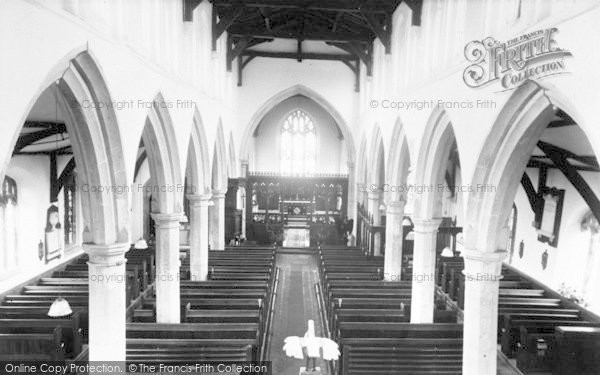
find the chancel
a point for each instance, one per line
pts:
(192, 181)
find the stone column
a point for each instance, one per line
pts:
(107, 305)
(393, 241)
(217, 221)
(167, 268)
(482, 279)
(199, 236)
(423, 282)
(374, 201)
(351, 200)
(243, 207)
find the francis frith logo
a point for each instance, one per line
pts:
(530, 56)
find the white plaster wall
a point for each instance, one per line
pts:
(566, 262)
(263, 78)
(268, 141)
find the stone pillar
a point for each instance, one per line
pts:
(107, 305)
(393, 241)
(167, 268)
(482, 280)
(199, 236)
(423, 282)
(242, 187)
(351, 200)
(374, 202)
(217, 221)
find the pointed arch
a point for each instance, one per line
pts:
(361, 170)
(503, 159)
(231, 159)
(436, 144)
(398, 164)
(198, 158)
(219, 164)
(288, 93)
(96, 144)
(163, 156)
(377, 153)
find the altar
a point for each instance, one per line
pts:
(296, 236)
(295, 211)
(296, 229)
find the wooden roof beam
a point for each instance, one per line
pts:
(382, 30)
(308, 35)
(221, 24)
(571, 173)
(349, 6)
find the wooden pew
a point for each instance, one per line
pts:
(400, 348)
(578, 349)
(72, 334)
(201, 339)
(32, 346)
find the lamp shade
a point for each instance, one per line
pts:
(60, 308)
(410, 236)
(447, 253)
(141, 244)
(406, 222)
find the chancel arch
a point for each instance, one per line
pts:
(83, 204)
(344, 160)
(534, 135)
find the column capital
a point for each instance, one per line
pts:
(484, 257)
(108, 255)
(218, 194)
(395, 207)
(199, 200)
(426, 225)
(483, 266)
(373, 195)
(166, 220)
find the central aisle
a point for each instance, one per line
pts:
(296, 303)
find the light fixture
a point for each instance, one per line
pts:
(406, 222)
(410, 236)
(382, 207)
(447, 253)
(140, 244)
(184, 219)
(60, 308)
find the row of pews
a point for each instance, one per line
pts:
(542, 330)
(370, 318)
(28, 333)
(223, 319)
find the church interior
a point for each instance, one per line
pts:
(379, 186)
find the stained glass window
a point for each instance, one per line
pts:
(298, 145)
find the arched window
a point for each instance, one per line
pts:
(8, 225)
(298, 145)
